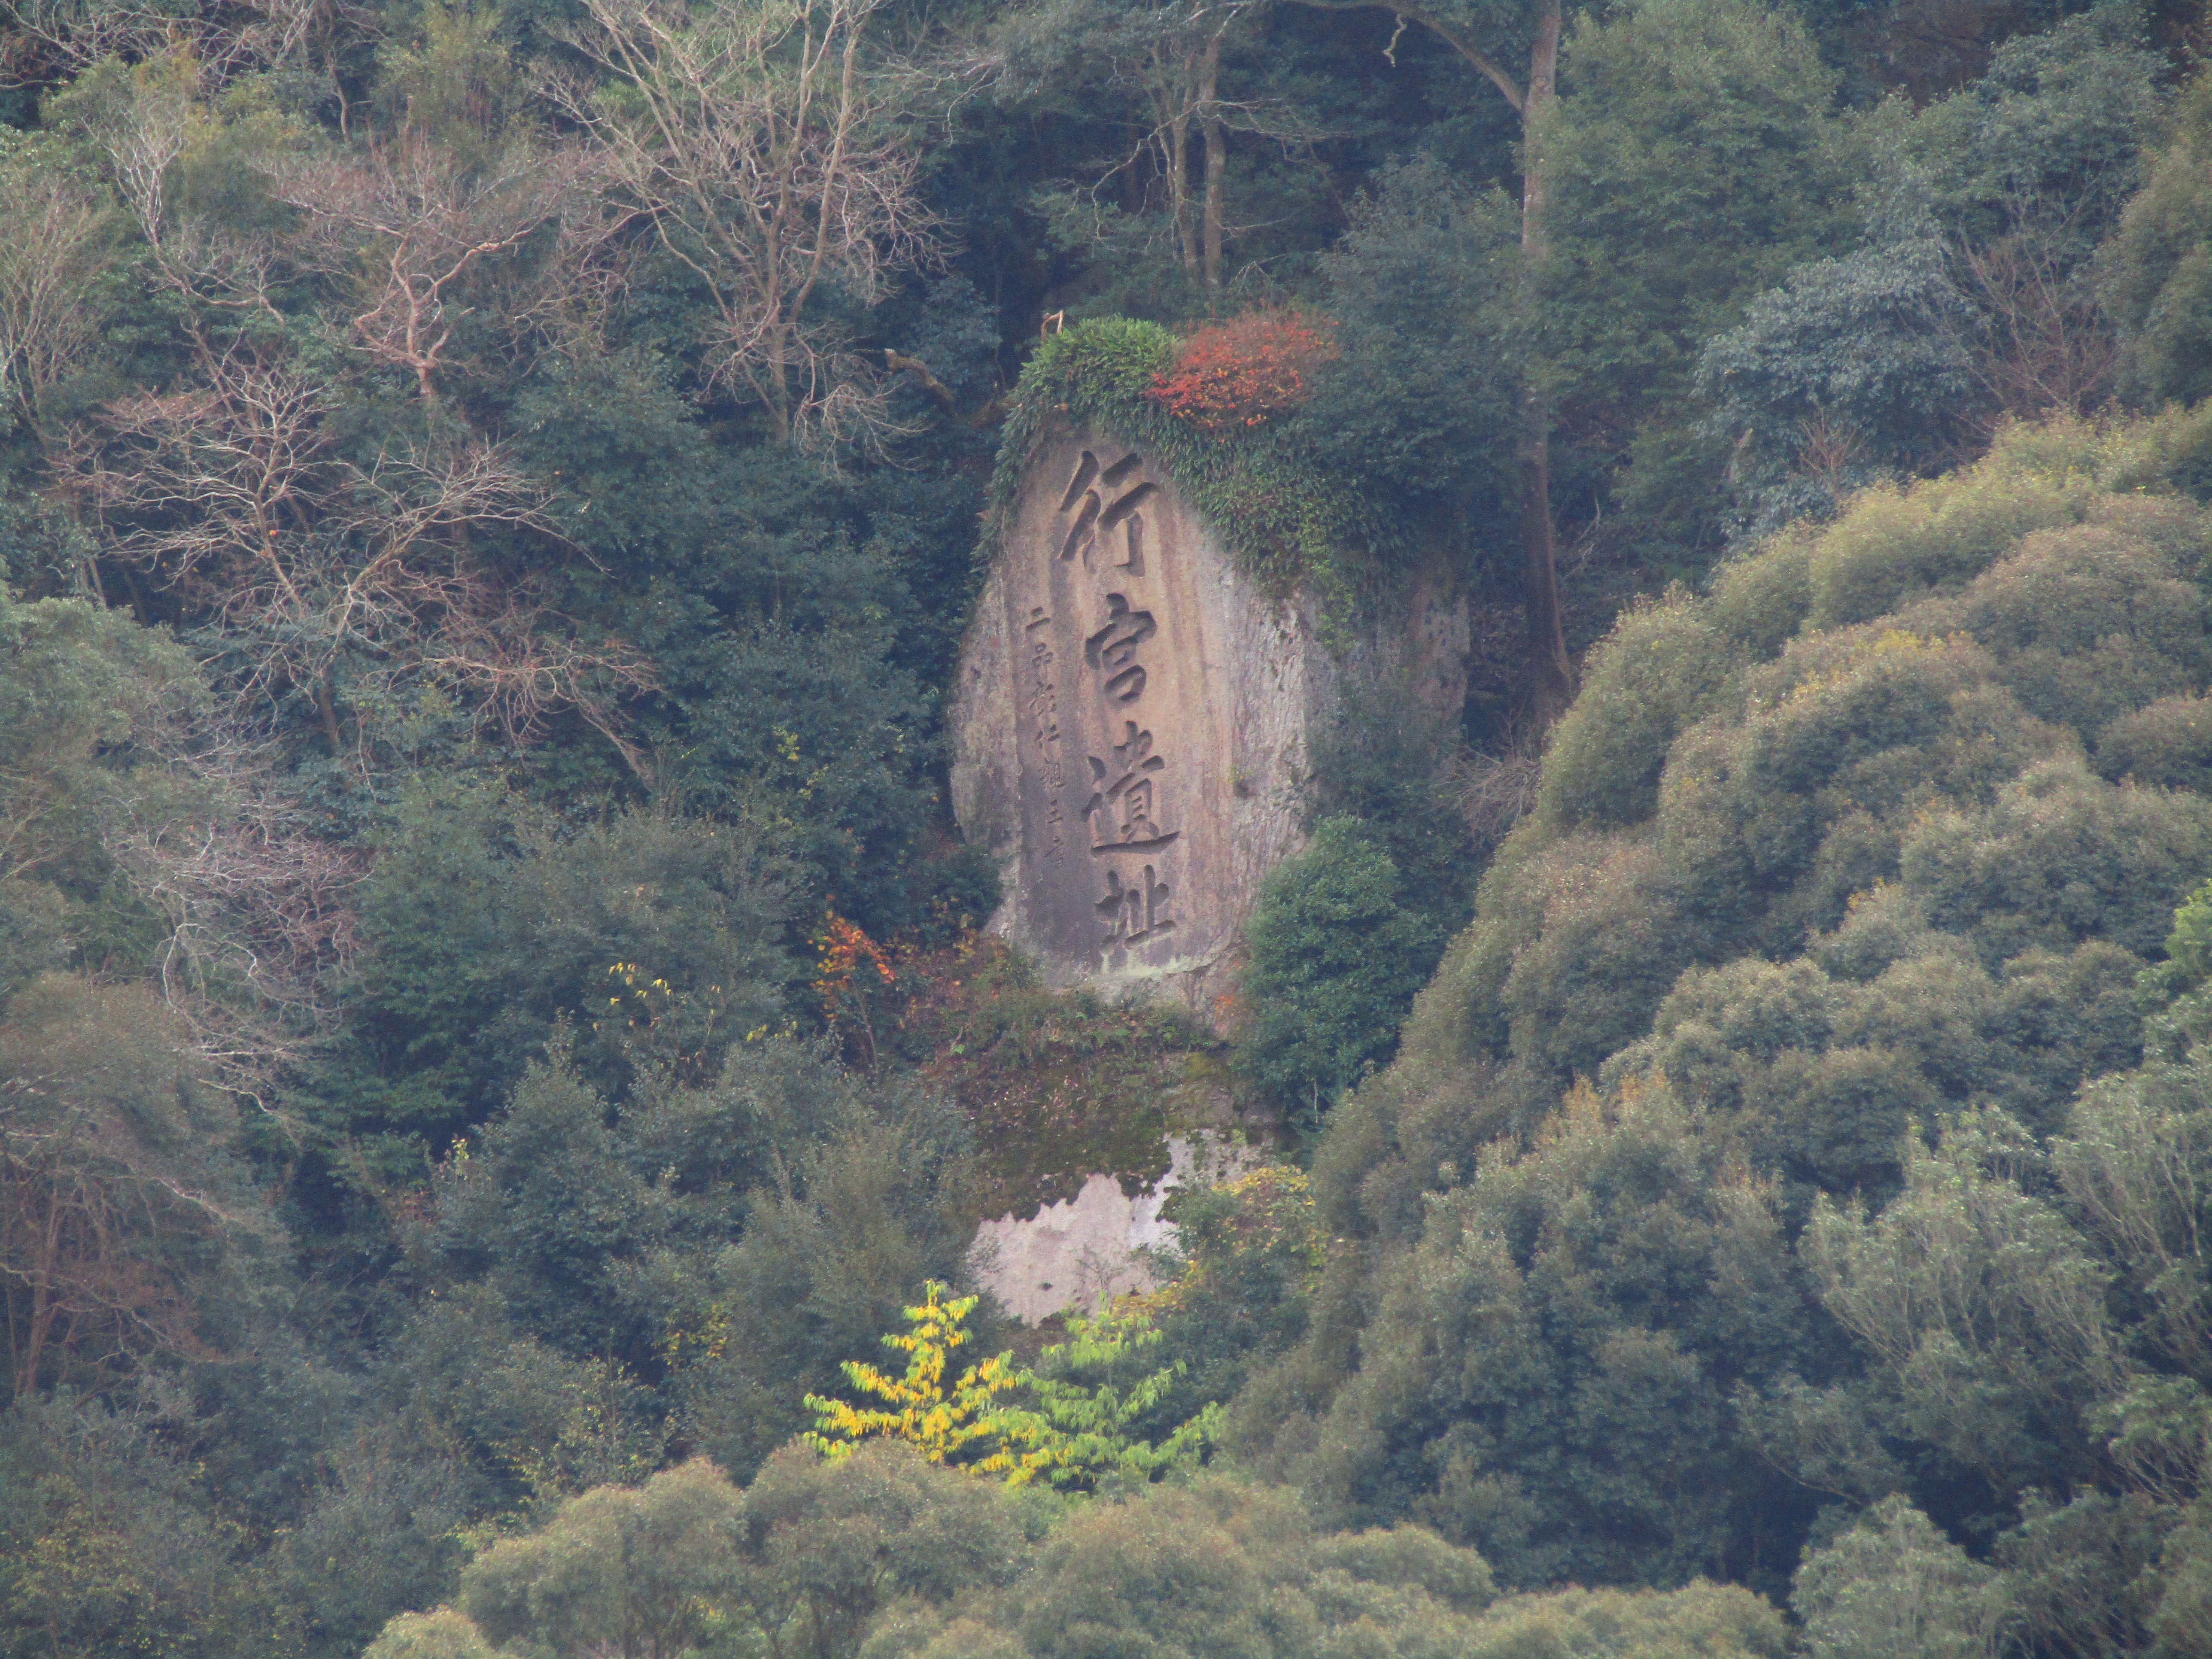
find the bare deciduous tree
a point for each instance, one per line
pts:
(258, 907)
(54, 234)
(418, 223)
(48, 39)
(105, 1201)
(1176, 66)
(1165, 61)
(233, 493)
(755, 137)
(2046, 346)
(141, 119)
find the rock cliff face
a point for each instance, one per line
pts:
(1135, 718)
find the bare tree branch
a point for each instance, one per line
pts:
(759, 143)
(233, 494)
(414, 222)
(51, 236)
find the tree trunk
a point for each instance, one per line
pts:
(1551, 675)
(1216, 164)
(1552, 686)
(327, 704)
(1179, 183)
(43, 1308)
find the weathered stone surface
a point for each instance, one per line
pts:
(1080, 1251)
(1132, 733)
(1134, 717)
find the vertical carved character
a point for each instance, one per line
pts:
(1134, 911)
(1112, 651)
(1043, 708)
(1120, 810)
(1102, 508)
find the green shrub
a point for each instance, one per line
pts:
(798, 1563)
(1718, 1021)
(1610, 945)
(441, 1633)
(1662, 668)
(2085, 623)
(2058, 857)
(1762, 598)
(2184, 1620)
(1895, 1588)
(1714, 1621)
(1892, 543)
(1101, 362)
(1336, 954)
(490, 922)
(2164, 746)
(1831, 1120)
(1562, 1305)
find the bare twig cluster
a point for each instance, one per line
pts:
(2047, 346)
(49, 325)
(760, 145)
(107, 1212)
(259, 908)
(235, 493)
(1496, 792)
(416, 224)
(45, 38)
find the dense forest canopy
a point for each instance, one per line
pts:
(496, 1029)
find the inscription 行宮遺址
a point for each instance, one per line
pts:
(1103, 512)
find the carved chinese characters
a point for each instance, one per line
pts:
(1042, 707)
(1105, 511)
(1132, 724)
(1095, 659)
(1120, 809)
(1113, 649)
(1133, 913)
(1129, 726)
(1102, 531)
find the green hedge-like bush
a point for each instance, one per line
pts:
(1661, 669)
(1337, 954)
(1820, 865)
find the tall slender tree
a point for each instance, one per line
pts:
(1489, 35)
(1492, 33)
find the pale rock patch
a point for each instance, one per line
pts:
(1076, 1254)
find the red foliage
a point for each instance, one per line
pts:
(1240, 372)
(845, 951)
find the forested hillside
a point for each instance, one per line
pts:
(496, 1034)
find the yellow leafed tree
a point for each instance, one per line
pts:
(1071, 1433)
(916, 1408)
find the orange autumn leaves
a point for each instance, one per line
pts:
(1239, 374)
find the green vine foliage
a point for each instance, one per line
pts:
(1286, 518)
